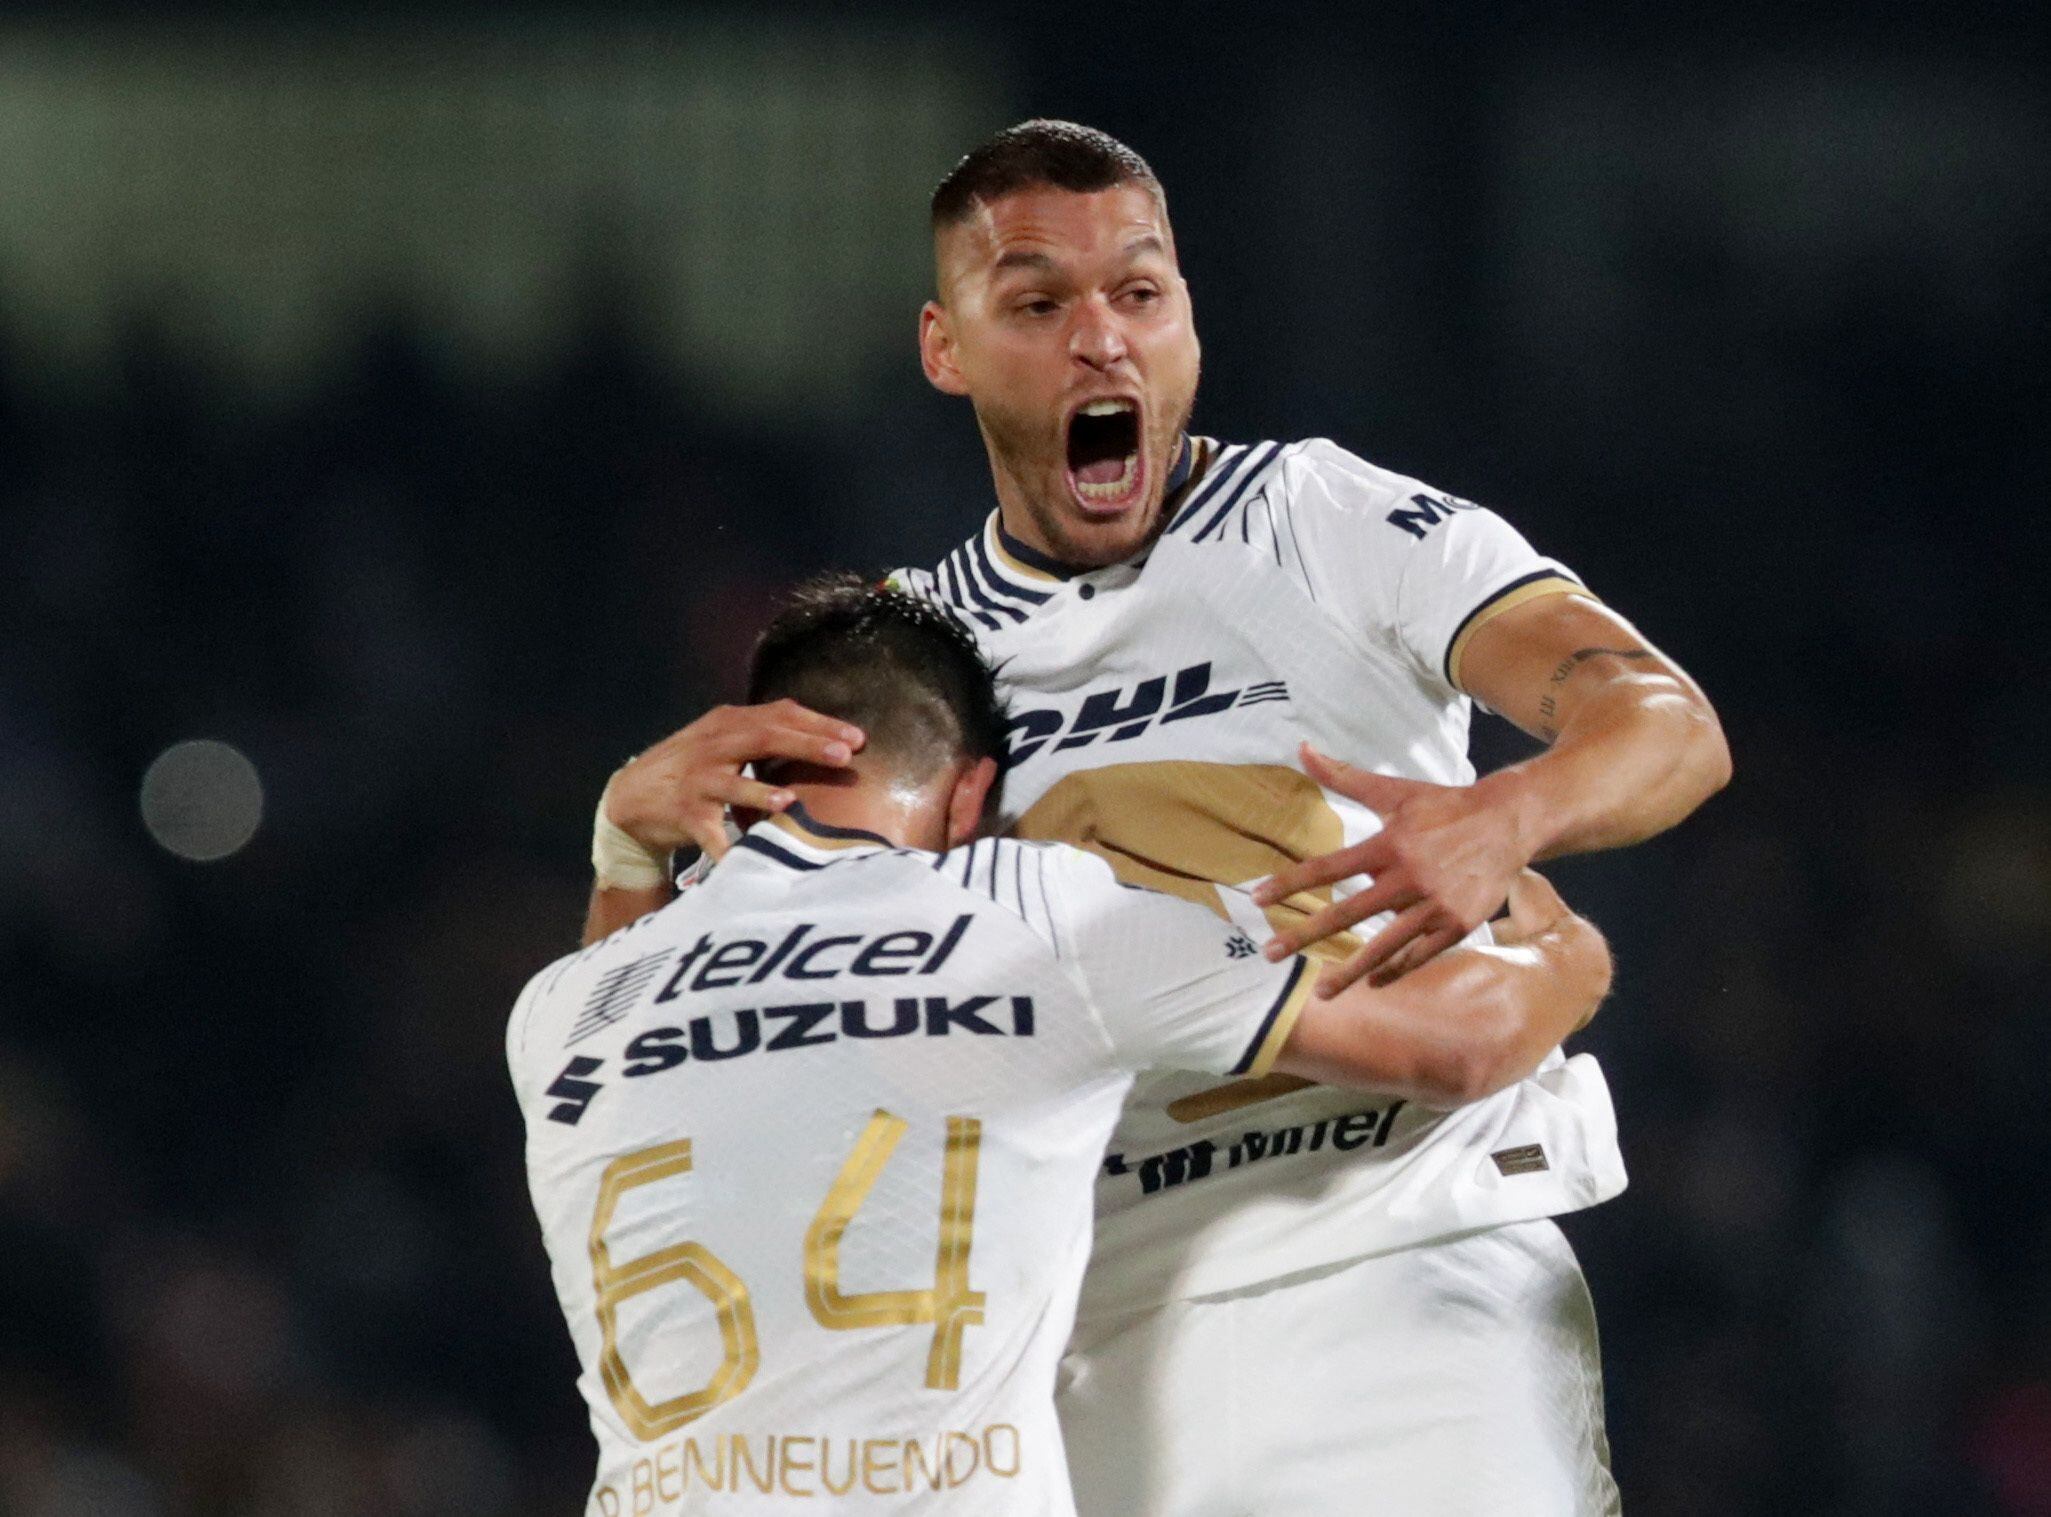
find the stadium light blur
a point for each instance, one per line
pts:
(202, 800)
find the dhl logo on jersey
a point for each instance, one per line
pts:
(1122, 713)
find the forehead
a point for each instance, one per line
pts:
(1066, 225)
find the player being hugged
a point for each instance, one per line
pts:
(1243, 674)
(813, 1147)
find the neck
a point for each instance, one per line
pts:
(1015, 516)
(903, 815)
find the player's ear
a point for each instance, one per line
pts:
(936, 350)
(968, 800)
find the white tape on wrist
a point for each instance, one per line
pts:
(620, 863)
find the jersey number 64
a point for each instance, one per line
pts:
(948, 1304)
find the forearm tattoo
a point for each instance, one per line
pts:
(1548, 705)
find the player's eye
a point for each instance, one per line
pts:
(1038, 305)
(1141, 295)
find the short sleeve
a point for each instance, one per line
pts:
(1406, 565)
(526, 1026)
(516, 1031)
(1175, 986)
(917, 582)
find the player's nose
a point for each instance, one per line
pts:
(1096, 337)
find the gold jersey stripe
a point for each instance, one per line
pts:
(1488, 611)
(1206, 1104)
(1295, 999)
(1180, 826)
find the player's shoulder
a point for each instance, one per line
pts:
(547, 989)
(1226, 483)
(1055, 890)
(1327, 472)
(1236, 492)
(989, 582)
(1023, 880)
(910, 581)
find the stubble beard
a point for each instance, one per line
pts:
(1016, 454)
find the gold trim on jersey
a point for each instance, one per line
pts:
(950, 1304)
(1206, 1104)
(614, 1284)
(1297, 998)
(1203, 452)
(1488, 611)
(1180, 826)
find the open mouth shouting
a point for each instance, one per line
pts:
(1106, 465)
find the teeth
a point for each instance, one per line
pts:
(1106, 407)
(1114, 488)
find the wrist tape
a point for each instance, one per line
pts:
(620, 863)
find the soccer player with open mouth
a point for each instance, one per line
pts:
(812, 1146)
(1243, 674)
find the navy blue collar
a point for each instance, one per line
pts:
(1033, 558)
(798, 820)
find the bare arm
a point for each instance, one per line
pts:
(1635, 744)
(1471, 1022)
(610, 910)
(1635, 748)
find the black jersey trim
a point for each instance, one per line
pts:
(964, 565)
(1260, 1038)
(949, 578)
(1223, 469)
(798, 815)
(1260, 466)
(1033, 558)
(999, 582)
(1446, 660)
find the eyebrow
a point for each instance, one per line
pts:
(1022, 258)
(1026, 258)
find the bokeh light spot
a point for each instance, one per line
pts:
(202, 800)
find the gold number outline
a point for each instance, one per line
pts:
(692, 1262)
(949, 1304)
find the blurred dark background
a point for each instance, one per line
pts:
(424, 414)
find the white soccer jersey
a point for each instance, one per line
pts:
(812, 1150)
(1156, 706)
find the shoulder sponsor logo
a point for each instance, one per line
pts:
(1426, 511)
(1123, 712)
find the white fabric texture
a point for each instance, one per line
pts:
(1456, 1379)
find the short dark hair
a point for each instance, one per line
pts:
(902, 669)
(1062, 155)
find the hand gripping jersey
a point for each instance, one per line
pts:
(1156, 706)
(812, 1150)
